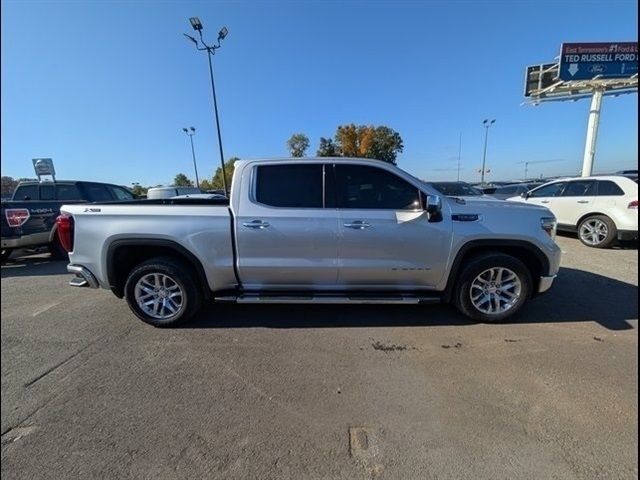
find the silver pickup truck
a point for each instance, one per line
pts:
(314, 230)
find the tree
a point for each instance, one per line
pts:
(229, 166)
(382, 143)
(138, 190)
(182, 180)
(8, 185)
(298, 144)
(327, 148)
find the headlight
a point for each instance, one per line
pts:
(549, 225)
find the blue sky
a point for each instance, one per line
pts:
(104, 88)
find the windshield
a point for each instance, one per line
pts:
(456, 189)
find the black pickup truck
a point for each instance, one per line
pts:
(28, 220)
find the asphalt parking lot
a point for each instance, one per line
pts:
(251, 391)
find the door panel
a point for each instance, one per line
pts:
(399, 249)
(546, 195)
(386, 240)
(285, 239)
(577, 199)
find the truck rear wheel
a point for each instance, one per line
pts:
(162, 292)
(493, 287)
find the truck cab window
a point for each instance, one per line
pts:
(26, 192)
(47, 192)
(365, 187)
(292, 186)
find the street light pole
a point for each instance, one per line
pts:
(191, 132)
(211, 50)
(487, 124)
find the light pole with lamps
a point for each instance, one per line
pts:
(211, 50)
(487, 124)
(191, 131)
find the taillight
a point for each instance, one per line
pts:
(633, 205)
(65, 231)
(16, 217)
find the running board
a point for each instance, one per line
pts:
(329, 299)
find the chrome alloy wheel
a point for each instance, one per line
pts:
(159, 296)
(594, 231)
(495, 290)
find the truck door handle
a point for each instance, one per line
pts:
(583, 201)
(257, 224)
(357, 225)
(544, 201)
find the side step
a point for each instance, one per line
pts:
(329, 299)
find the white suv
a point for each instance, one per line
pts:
(600, 209)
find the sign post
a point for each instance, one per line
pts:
(592, 133)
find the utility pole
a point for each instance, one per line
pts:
(211, 50)
(459, 154)
(487, 123)
(191, 131)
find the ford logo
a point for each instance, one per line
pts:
(597, 68)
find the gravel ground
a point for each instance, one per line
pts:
(390, 392)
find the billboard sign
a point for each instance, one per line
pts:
(539, 77)
(585, 61)
(43, 166)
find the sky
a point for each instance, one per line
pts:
(105, 87)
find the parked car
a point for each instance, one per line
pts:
(28, 219)
(171, 191)
(455, 189)
(508, 191)
(202, 195)
(601, 209)
(314, 231)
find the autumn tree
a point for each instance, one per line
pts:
(8, 185)
(298, 144)
(368, 141)
(327, 148)
(138, 190)
(182, 180)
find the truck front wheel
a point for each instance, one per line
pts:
(492, 287)
(162, 292)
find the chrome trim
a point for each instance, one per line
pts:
(545, 283)
(83, 273)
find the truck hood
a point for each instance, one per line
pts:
(485, 203)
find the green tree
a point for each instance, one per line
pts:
(229, 166)
(298, 144)
(182, 180)
(139, 190)
(327, 148)
(368, 141)
(8, 185)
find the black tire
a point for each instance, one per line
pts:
(476, 266)
(6, 253)
(57, 251)
(610, 238)
(180, 273)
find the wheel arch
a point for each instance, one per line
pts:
(532, 256)
(593, 214)
(124, 254)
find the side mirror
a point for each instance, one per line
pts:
(433, 204)
(524, 195)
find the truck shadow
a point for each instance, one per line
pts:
(576, 296)
(619, 245)
(32, 265)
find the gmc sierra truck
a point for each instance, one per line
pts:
(317, 230)
(28, 220)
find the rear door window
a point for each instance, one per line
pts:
(291, 186)
(47, 192)
(607, 188)
(68, 192)
(120, 193)
(97, 192)
(26, 192)
(580, 188)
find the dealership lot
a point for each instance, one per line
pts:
(267, 391)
